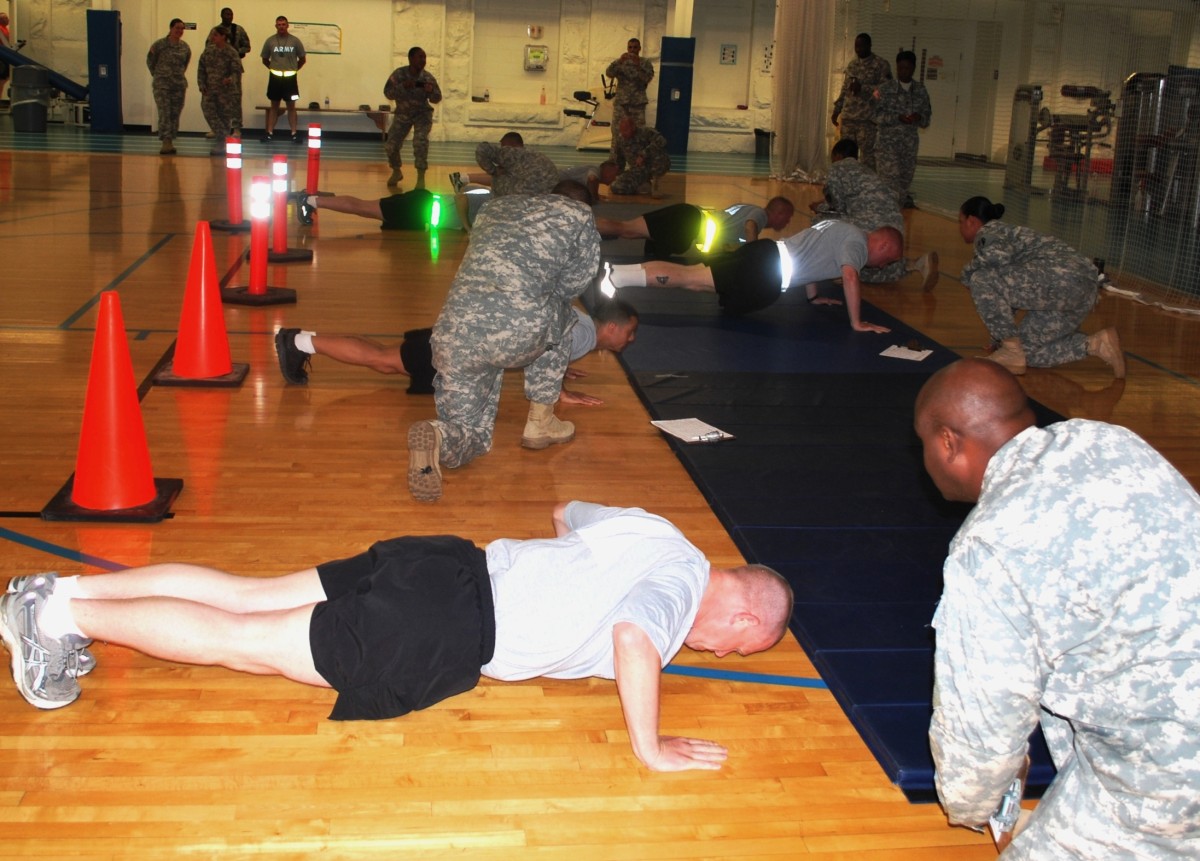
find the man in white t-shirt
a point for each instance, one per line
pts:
(616, 593)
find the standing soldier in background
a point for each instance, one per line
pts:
(284, 56)
(167, 61)
(855, 106)
(415, 92)
(903, 107)
(643, 151)
(633, 75)
(239, 40)
(219, 74)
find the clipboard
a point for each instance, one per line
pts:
(692, 431)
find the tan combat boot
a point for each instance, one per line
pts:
(1010, 354)
(424, 456)
(1107, 345)
(543, 429)
(167, 148)
(927, 265)
(396, 176)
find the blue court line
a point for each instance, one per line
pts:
(91, 303)
(735, 676)
(57, 550)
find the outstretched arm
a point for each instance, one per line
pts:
(851, 288)
(638, 671)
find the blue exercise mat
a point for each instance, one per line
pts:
(824, 482)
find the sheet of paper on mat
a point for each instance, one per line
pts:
(897, 352)
(692, 430)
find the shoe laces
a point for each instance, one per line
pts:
(49, 661)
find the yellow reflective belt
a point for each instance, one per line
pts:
(708, 232)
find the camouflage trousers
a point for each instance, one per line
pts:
(222, 111)
(637, 113)
(470, 362)
(896, 157)
(1055, 299)
(635, 176)
(420, 126)
(863, 133)
(889, 274)
(168, 98)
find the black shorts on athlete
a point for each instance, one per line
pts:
(283, 88)
(406, 624)
(673, 229)
(406, 211)
(749, 278)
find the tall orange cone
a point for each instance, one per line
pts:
(202, 348)
(112, 468)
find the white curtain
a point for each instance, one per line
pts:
(803, 38)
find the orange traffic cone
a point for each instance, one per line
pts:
(202, 348)
(113, 479)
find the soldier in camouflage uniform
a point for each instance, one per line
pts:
(509, 306)
(219, 74)
(515, 169)
(415, 92)
(1071, 598)
(902, 107)
(1016, 268)
(167, 61)
(239, 40)
(856, 194)
(644, 153)
(633, 75)
(855, 106)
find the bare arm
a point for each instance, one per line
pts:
(560, 520)
(853, 292)
(638, 671)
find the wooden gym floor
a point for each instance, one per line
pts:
(164, 760)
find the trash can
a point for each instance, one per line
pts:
(762, 143)
(30, 98)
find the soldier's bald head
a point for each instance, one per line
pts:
(964, 414)
(976, 398)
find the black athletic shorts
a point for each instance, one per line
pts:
(417, 356)
(748, 279)
(407, 211)
(283, 88)
(406, 624)
(673, 229)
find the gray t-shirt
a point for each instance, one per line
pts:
(820, 252)
(582, 339)
(284, 53)
(733, 221)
